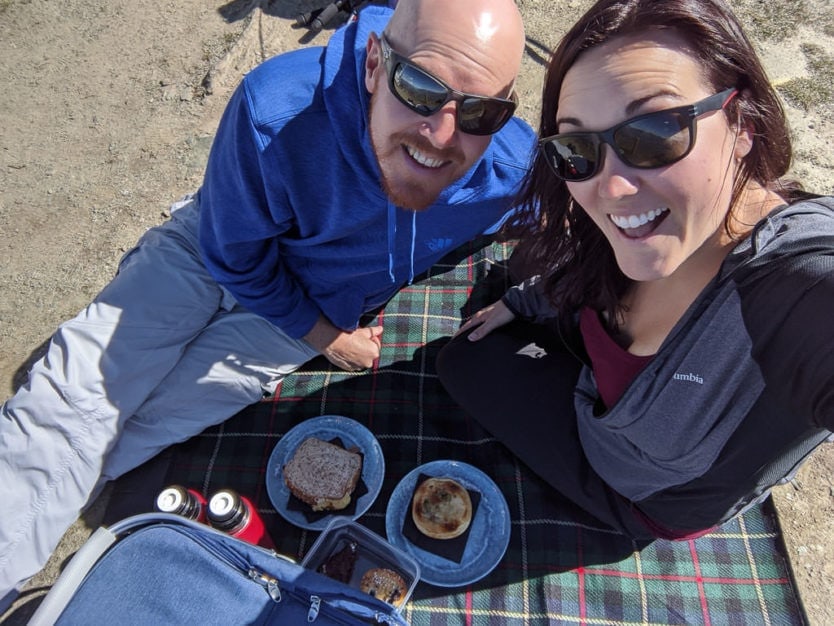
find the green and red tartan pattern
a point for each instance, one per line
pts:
(560, 567)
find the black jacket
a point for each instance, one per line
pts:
(741, 390)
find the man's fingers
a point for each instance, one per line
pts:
(375, 334)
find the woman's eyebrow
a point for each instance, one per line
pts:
(631, 108)
(568, 120)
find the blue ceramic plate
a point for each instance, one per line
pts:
(489, 533)
(326, 427)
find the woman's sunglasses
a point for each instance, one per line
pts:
(645, 142)
(425, 94)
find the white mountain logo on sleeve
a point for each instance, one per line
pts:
(533, 351)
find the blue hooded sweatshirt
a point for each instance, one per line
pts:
(294, 222)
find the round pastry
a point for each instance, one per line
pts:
(441, 508)
(384, 584)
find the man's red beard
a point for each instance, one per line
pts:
(411, 194)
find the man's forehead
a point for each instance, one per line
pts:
(474, 45)
(476, 21)
(466, 65)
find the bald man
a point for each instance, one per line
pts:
(337, 175)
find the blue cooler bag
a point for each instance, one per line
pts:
(165, 569)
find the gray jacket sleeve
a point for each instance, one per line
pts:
(528, 301)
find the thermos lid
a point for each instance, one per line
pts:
(224, 504)
(171, 499)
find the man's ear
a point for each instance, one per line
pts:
(373, 62)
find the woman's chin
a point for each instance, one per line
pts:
(644, 269)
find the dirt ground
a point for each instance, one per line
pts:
(107, 110)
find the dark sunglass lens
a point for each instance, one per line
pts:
(654, 140)
(471, 112)
(480, 116)
(572, 157)
(418, 90)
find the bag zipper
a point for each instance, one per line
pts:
(271, 585)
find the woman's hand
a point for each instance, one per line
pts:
(486, 320)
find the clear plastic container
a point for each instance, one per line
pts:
(371, 551)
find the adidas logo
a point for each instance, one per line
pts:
(438, 243)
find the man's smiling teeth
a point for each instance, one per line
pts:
(422, 159)
(634, 221)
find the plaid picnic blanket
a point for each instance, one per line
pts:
(560, 567)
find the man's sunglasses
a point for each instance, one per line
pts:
(426, 94)
(645, 142)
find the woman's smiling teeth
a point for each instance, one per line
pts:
(630, 222)
(422, 159)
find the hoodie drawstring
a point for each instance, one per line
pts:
(392, 238)
(392, 235)
(413, 244)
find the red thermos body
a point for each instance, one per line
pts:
(235, 514)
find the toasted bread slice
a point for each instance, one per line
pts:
(441, 508)
(322, 474)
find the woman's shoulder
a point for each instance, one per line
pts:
(819, 209)
(787, 252)
(806, 225)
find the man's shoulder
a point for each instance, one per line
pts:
(284, 84)
(514, 144)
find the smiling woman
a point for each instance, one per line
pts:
(678, 281)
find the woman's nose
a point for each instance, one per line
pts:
(615, 179)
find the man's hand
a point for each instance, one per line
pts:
(351, 351)
(486, 320)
